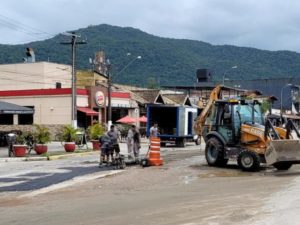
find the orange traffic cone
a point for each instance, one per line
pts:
(154, 152)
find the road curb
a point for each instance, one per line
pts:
(64, 156)
(23, 159)
(45, 158)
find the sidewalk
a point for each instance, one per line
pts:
(56, 151)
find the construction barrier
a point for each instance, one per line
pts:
(154, 152)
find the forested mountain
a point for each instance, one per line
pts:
(165, 60)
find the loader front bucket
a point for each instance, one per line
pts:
(283, 151)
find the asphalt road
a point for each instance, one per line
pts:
(183, 191)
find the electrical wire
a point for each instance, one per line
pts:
(53, 77)
(21, 27)
(27, 81)
(34, 75)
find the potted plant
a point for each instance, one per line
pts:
(19, 147)
(41, 137)
(95, 131)
(68, 135)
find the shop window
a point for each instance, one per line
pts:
(6, 119)
(26, 119)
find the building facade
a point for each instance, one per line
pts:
(46, 88)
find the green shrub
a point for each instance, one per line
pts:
(41, 134)
(68, 134)
(95, 131)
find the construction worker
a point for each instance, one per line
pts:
(130, 141)
(105, 142)
(115, 148)
(154, 130)
(136, 143)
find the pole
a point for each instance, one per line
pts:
(74, 94)
(108, 65)
(73, 79)
(281, 96)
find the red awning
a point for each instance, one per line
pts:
(143, 119)
(126, 119)
(88, 111)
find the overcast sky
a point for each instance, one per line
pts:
(263, 24)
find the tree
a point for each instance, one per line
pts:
(152, 83)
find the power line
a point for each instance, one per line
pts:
(23, 28)
(54, 77)
(17, 25)
(35, 75)
(26, 81)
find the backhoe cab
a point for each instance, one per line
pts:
(236, 129)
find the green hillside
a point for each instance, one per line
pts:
(169, 61)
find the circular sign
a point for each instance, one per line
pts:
(99, 98)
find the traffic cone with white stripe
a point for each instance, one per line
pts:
(154, 152)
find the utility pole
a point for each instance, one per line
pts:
(108, 66)
(74, 89)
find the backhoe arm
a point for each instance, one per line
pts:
(200, 121)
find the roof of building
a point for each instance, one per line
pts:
(149, 96)
(177, 99)
(129, 87)
(36, 92)
(9, 108)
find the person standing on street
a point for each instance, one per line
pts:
(136, 143)
(113, 134)
(130, 141)
(154, 130)
(105, 147)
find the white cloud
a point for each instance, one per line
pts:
(265, 24)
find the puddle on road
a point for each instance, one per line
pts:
(229, 171)
(212, 174)
(90, 162)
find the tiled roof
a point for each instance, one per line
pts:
(149, 95)
(179, 99)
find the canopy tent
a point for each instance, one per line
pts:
(143, 119)
(126, 119)
(9, 108)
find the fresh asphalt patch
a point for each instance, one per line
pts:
(35, 181)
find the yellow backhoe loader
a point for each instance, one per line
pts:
(236, 129)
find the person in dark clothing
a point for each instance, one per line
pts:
(115, 149)
(106, 145)
(136, 143)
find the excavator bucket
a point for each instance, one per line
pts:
(283, 151)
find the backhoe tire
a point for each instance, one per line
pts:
(214, 153)
(282, 165)
(198, 141)
(248, 160)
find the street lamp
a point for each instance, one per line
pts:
(224, 74)
(128, 64)
(108, 73)
(287, 85)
